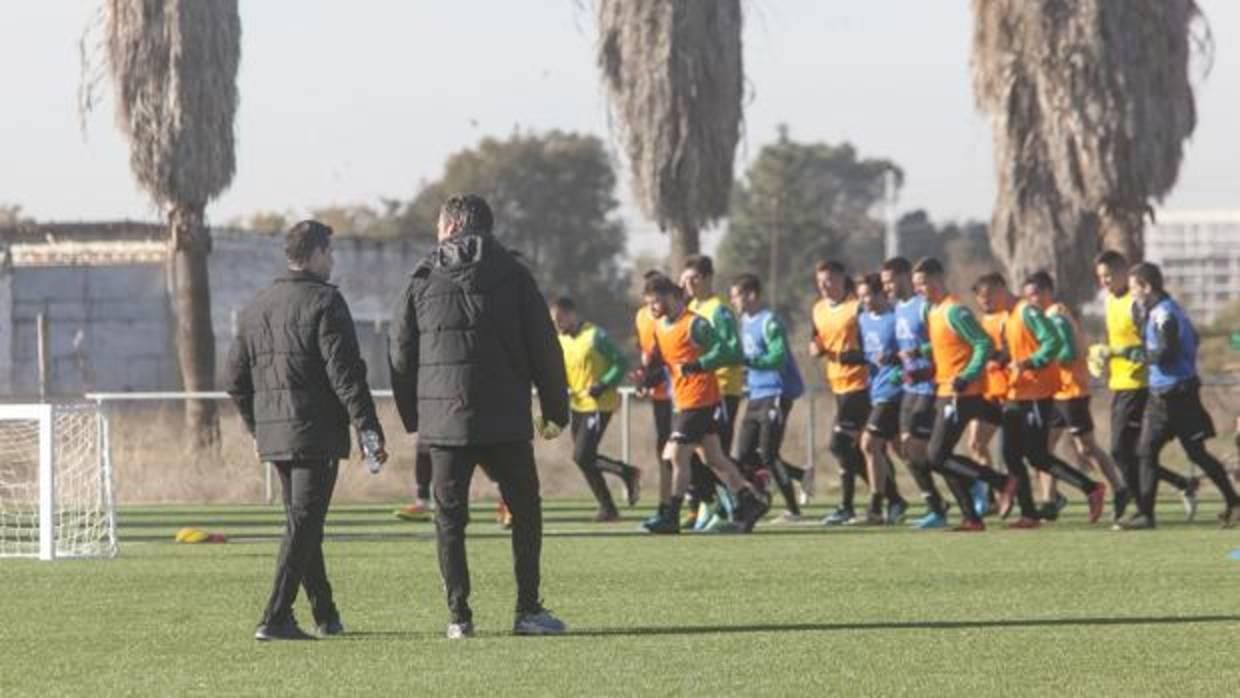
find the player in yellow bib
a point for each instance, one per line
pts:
(594, 367)
(1128, 379)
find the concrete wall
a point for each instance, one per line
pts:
(112, 328)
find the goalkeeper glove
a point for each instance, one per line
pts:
(546, 428)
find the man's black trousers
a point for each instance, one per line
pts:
(307, 491)
(511, 465)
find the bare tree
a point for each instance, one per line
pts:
(1091, 103)
(672, 70)
(174, 68)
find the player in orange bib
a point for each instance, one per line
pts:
(996, 301)
(659, 393)
(1033, 380)
(960, 348)
(1072, 403)
(837, 340)
(688, 347)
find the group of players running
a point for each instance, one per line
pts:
(913, 371)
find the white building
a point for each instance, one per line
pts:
(1199, 253)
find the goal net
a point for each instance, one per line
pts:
(55, 483)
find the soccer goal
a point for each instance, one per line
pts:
(55, 482)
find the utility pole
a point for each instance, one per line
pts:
(891, 194)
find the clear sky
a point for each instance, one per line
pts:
(347, 102)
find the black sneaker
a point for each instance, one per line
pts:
(281, 631)
(1140, 522)
(331, 627)
(751, 507)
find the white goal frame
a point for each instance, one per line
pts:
(45, 415)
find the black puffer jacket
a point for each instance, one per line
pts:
(296, 374)
(471, 335)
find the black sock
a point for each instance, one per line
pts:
(876, 504)
(848, 489)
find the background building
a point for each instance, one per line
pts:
(1199, 252)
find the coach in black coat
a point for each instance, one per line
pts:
(471, 336)
(299, 382)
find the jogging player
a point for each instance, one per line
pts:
(697, 279)
(1128, 379)
(1174, 410)
(594, 368)
(882, 355)
(659, 392)
(773, 382)
(687, 345)
(959, 347)
(917, 393)
(1033, 379)
(1072, 402)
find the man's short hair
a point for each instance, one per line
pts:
(469, 213)
(1041, 280)
(1111, 259)
(651, 273)
(898, 265)
(1149, 274)
(873, 280)
(748, 283)
(662, 286)
(701, 264)
(830, 265)
(304, 238)
(565, 304)
(992, 280)
(928, 266)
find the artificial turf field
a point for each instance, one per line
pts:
(791, 610)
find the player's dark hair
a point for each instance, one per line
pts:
(1041, 280)
(304, 238)
(748, 283)
(1111, 260)
(873, 281)
(662, 286)
(928, 266)
(1149, 274)
(565, 304)
(651, 273)
(469, 213)
(992, 280)
(701, 264)
(897, 265)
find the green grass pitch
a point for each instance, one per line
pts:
(1067, 610)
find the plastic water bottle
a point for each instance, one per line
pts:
(370, 449)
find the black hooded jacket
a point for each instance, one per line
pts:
(471, 335)
(296, 374)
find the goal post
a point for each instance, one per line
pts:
(56, 496)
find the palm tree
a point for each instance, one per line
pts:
(1091, 103)
(672, 71)
(174, 68)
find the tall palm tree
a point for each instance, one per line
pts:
(1091, 103)
(174, 67)
(672, 70)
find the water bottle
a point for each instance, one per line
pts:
(371, 446)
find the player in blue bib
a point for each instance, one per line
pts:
(882, 355)
(773, 382)
(1174, 410)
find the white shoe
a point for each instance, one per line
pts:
(786, 518)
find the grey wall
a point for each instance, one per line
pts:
(123, 315)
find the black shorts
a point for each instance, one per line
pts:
(952, 415)
(588, 429)
(1073, 415)
(1127, 411)
(691, 426)
(761, 432)
(917, 415)
(852, 410)
(884, 421)
(1178, 414)
(990, 412)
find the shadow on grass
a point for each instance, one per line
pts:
(909, 625)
